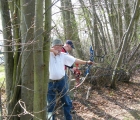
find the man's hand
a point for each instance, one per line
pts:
(92, 63)
(56, 52)
(89, 62)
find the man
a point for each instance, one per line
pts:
(57, 82)
(68, 46)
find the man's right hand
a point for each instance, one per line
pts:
(56, 52)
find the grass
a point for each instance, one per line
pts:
(2, 74)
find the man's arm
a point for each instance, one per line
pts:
(79, 61)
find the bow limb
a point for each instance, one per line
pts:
(80, 83)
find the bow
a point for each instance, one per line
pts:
(91, 59)
(82, 79)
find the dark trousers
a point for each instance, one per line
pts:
(59, 88)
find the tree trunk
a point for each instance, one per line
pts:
(39, 106)
(15, 91)
(120, 25)
(71, 29)
(67, 23)
(112, 16)
(46, 48)
(95, 30)
(27, 76)
(8, 55)
(127, 15)
(88, 21)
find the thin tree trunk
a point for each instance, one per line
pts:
(8, 55)
(67, 23)
(27, 76)
(46, 48)
(120, 26)
(127, 13)
(87, 16)
(106, 29)
(94, 29)
(14, 5)
(39, 106)
(15, 91)
(104, 42)
(112, 19)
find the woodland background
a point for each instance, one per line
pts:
(111, 27)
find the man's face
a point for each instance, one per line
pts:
(58, 47)
(69, 47)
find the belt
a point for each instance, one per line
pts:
(50, 80)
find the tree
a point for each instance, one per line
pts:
(7, 35)
(27, 75)
(125, 41)
(46, 47)
(70, 25)
(26, 51)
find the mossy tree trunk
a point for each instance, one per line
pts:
(46, 47)
(39, 93)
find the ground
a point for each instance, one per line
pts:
(107, 104)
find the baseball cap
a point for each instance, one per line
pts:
(70, 43)
(56, 42)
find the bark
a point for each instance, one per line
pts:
(46, 48)
(104, 41)
(106, 30)
(66, 19)
(112, 16)
(127, 13)
(15, 91)
(94, 29)
(133, 54)
(8, 55)
(16, 35)
(27, 76)
(136, 28)
(39, 106)
(120, 25)
(127, 19)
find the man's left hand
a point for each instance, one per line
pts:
(91, 63)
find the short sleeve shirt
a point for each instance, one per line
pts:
(57, 63)
(63, 50)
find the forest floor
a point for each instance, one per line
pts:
(108, 104)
